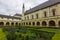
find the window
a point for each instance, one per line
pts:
(32, 17)
(45, 14)
(53, 11)
(2, 17)
(37, 16)
(27, 17)
(8, 18)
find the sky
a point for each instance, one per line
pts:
(11, 7)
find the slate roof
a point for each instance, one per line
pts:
(17, 15)
(6, 16)
(41, 6)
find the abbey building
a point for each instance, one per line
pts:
(10, 20)
(43, 15)
(46, 14)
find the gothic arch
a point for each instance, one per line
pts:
(1, 23)
(26, 23)
(38, 23)
(19, 24)
(16, 23)
(44, 23)
(7, 23)
(59, 23)
(29, 23)
(12, 23)
(33, 23)
(51, 23)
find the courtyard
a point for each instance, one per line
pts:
(29, 33)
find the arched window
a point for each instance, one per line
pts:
(32, 16)
(37, 16)
(28, 17)
(54, 12)
(45, 14)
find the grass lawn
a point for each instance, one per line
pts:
(2, 35)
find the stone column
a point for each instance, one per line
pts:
(47, 23)
(31, 24)
(10, 24)
(56, 24)
(41, 24)
(4, 23)
(35, 24)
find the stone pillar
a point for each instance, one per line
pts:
(35, 24)
(47, 23)
(56, 23)
(14, 23)
(31, 24)
(10, 24)
(41, 24)
(18, 23)
(4, 23)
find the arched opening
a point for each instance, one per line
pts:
(16, 24)
(51, 23)
(44, 23)
(26, 23)
(29, 23)
(59, 23)
(38, 23)
(7, 23)
(33, 23)
(12, 23)
(2, 23)
(19, 24)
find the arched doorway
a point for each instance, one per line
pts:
(59, 23)
(38, 23)
(2, 23)
(7, 23)
(16, 24)
(44, 23)
(29, 23)
(33, 23)
(26, 23)
(51, 23)
(12, 23)
(19, 24)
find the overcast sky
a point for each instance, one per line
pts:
(11, 7)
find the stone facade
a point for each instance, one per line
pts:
(9, 20)
(49, 17)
